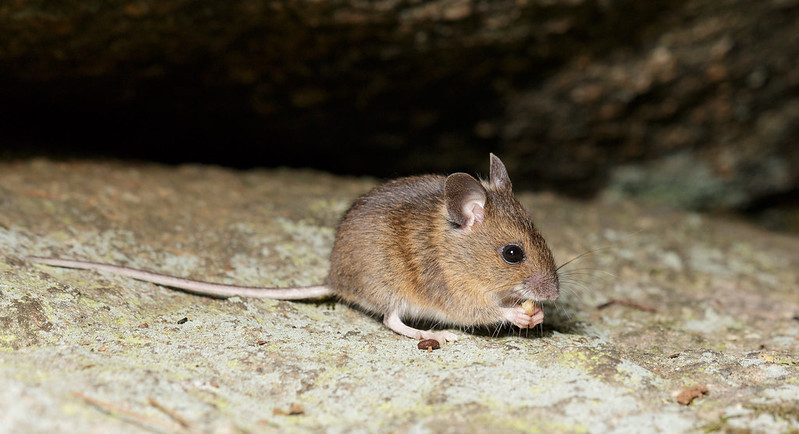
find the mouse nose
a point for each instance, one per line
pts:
(543, 286)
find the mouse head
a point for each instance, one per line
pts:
(491, 231)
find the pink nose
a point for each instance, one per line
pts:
(543, 286)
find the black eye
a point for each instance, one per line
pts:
(512, 253)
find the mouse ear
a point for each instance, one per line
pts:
(498, 175)
(465, 199)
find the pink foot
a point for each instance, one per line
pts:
(393, 321)
(519, 318)
(442, 337)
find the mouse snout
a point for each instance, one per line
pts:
(543, 286)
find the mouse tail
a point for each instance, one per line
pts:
(193, 286)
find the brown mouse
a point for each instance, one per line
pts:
(452, 250)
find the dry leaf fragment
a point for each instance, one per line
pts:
(295, 409)
(687, 395)
(429, 344)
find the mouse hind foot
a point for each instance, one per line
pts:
(394, 322)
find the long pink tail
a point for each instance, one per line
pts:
(193, 286)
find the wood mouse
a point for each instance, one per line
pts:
(452, 250)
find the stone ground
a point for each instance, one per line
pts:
(697, 300)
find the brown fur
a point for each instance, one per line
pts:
(398, 249)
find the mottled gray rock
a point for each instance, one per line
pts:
(579, 96)
(724, 294)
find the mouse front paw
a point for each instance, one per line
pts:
(518, 317)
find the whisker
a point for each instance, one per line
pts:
(587, 272)
(599, 249)
(569, 316)
(576, 282)
(581, 255)
(577, 287)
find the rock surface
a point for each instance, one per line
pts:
(645, 99)
(79, 347)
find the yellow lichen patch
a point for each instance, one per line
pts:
(91, 303)
(5, 339)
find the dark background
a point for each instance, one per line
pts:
(692, 104)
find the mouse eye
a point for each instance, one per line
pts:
(512, 253)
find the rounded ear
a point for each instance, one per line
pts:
(465, 199)
(498, 176)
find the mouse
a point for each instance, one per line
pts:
(451, 250)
